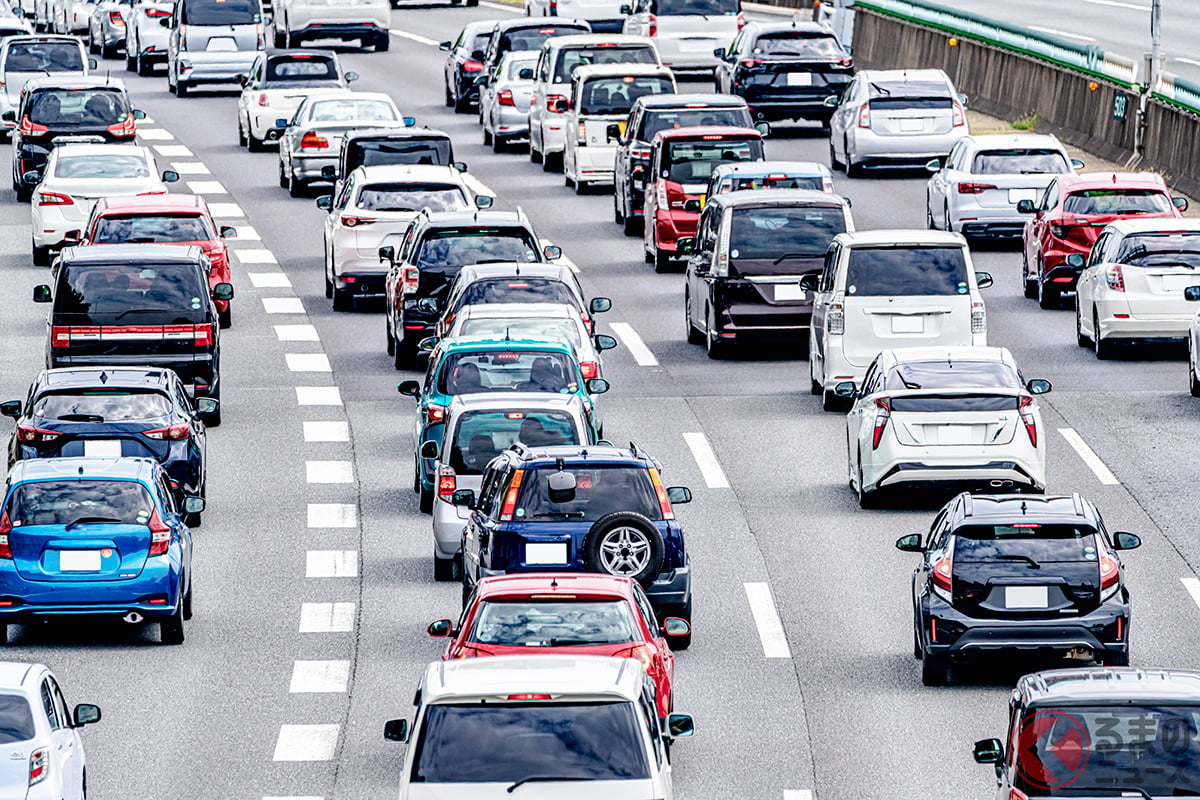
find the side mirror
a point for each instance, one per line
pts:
(193, 505)
(165, 22)
(599, 305)
(387, 253)
(461, 166)
(429, 449)
(86, 714)
(139, 114)
(1077, 164)
(480, 81)
(351, 77)
(983, 280)
(32, 176)
(207, 406)
(597, 385)
(395, 730)
(9, 116)
(11, 408)
(832, 101)
(325, 202)
(227, 232)
(483, 201)
(1038, 386)
(409, 388)
(428, 304)
(626, 9)
(1191, 293)
(989, 751)
(674, 626)
(810, 282)
(679, 494)
(680, 725)
(73, 237)
(525, 74)
(604, 342)
(223, 291)
(1180, 202)
(687, 244)
(719, 53)
(1025, 207)
(962, 98)
(933, 165)
(612, 132)
(463, 497)
(41, 294)
(846, 389)
(170, 176)
(93, 63)
(427, 344)
(445, 46)
(409, 121)
(440, 629)
(692, 206)
(763, 128)
(243, 80)
(1126, 541)
(1075, 260)
(329, 172)
(910, 543)
(551, 252)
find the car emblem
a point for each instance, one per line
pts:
(16, 755)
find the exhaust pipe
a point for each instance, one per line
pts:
(133, 618)
(1001, 484)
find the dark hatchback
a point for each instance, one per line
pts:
(371, 147)
(1026, 574)
(526, 34)
(465, 63)
(109, 412)
(137, 305)
(785, 70)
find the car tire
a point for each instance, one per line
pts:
(834, 163)
(462, 105)
(425, 502)
(535, 155)
(662, 261)
(1118, 659)
(225, 318)
(466, 592)
(4, 634)
(1193, 384)
(213, 420)
(715, 347)
(853, 170)
(618, 535)
(866, 500)
(41, 256)
(632, 225)
(935, 669)
(391, 338)
(916, 644)
(143, 66)
(170, 630)
(1080, 338)
(694, 335)
(242, 142)
(131, 59)
(296, 187)
(254, 144)
(383, 43)
(618, 217)
(814, 386)
(342, 300)
(283, 181)
(946, 217)
(1103, 348)
(1048, 297)
(446, 569)
(930, 224)
(181, 89)
(551, 162)
(24, 194)
(107, 51)
(487, 137)
(187, 601)
(684, 612)
(581, 187)
(499, 144)
(829, 400)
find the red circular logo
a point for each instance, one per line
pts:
(1053, 749)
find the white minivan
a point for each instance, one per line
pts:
(686, 31)
(887, 289)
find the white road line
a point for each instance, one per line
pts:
(154, 135)
(319, 676)
(318, 396)
(1183, 60)
(502, 7)
(293, 797)
(147, 120)
(634, 344)
(308, 362)
(413, 36)
(256, 255)
(326, 617)
(282, 305)
(1056, 32)
(326, 432)
(770, 629)
(797, 794)
(225, 210)
(270, 280)
(306, 743)
(296, 333)
(329, 472)
(706, 459)
(246, 233)
(207, 187)
(1089, 457)
(190, 168)
(332, 515)
(331, 564)
(1117, 4)
(172, 150)
(1193, 588)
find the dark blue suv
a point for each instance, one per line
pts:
(587, 508)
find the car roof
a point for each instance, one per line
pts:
(594, 39)
(794, 25)
(621, 70)
(912, 355)
(545, 401)
(988, 509)
(986, 141)
(479, 272)
(1101, 180)
(479, 25)
(490, 343)
(108, 377)
(395, 133)
(901, 238)
(574, 453)
(1155, 225)
(179, 203)
(506, 25)
(779, 197)
(518, 311)
(476, 219)
(561, 676)
(75, 82)
(707, 130)
(761, 168)
(42, 37)
(299, 53)
(93, 149)
(36, 469)
(419, 172)
(684, 100)
(903, 75)
(523, 584)
(13, 674)
(132, 254)
(1110, 685)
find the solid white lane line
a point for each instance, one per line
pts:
(1193, 588)
(269, 280)
(329, 472)
(297, 333)
(332, 515)
(255, 256)
(1056, 32)
(147, 120)
(414, 37)
(282, 305)
(501, 7)
(706, 459)
(172, 150)
(1089, 457)
(1183, 60)
(326, 432)
(319, 676)
(797, 794)
(770, 629)
(292, 797)
(154, 135)
(634, 344)
(306, 743)
(190, 168)
(318, 396)
(246, 233)
(1116, 4)
(207, 187)
(331, 564)
(225, 210)
(308, 362)
(326, 617)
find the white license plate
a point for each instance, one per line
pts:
(789, 291)
(1026, 597)
(696, 45)
(955, 434)
(1177, 283)
(1017, 195)
(799, 79)
(222, 44)
(912, 125)
(546, 553)
(79, 560)
(908, 324)
(102, 448)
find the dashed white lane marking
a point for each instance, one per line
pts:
(172, 150)
(797, 794)
(1183, 60)
(282, 305)
(1056, 32)
(329, 472)
(332, 515)
(225, 210)
(634, 344)
(207, 187)
(147, 120)
(310, 677)
(306, 743)
(308, 362)
(414, 37)
(326, 432)
(1089, 457)
(247, 233)
(154, 135)
(190, 168)
(770, 629)
(318, 396)
(326, 617)
(331, 564)
(501, 7)
(255, 255)
(706, 459)
(1193, 588)
(297, 333)
(269, 280)
(293, 797)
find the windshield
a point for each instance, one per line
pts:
(616, 95)
(532, 38)
(302, 68)
(369, 153)
(352, 111)
(517, 290)
(64, 502)
(150, 228)
(458, 248)
(482, 435)
(1117, 201)
(507, 371)
(906, 271)
(90, 107)
(599, 490)
(1042, 543)
(797, 45)
(570, 58)
(708, 8)
(44, 57)
(1161, 249)
(780, 233)
(108, 293)
(693, 161)
(952, 375)
(546, 623)
(520, 328)
(509, 742)
(222, 12)
(97, 165)
(897, 95)
(118, 405)
(736, 183)
(16, 719)
(411, 197)
(1020, 161)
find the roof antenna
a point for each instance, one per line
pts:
(1023, 506)
(554, 583)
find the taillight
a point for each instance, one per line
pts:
(844, 61)
(1017, 794)
(883, 413)
(551, 100)
(589, 369)
(172, 433)
(653, 23)
(311, 141)
(157, 13)
(258, 30)
(741, 20)
(642, 152)
(943, 571)
(39, 764)
(510, 497)
(505, 98)
(974, 188)
(116, 19)
(827, 185)
(435, 413)
(160, 534)
(470, 65)
(529, 696)
(643, 654)
(262, 99)
(1115, 278)
(5, 530)
(960, 117)
(1061, 228)
(28, 434)
(835, 319)
(54, 199)
(864, 116)
(661, 192)
(1026, 410)
(412, 277)
(1110, 573)
(978, 318)
(581, 134)
(664, 502)
(204, 335)
(28, 127)
(447, 482)
(354, 222)
(750, 63)
(126, 127)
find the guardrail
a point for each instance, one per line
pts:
(1178, 92)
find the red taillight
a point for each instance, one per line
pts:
(529, 696)
(435, 413)
(54, 199)
(311, 141)
(28, 127)
(589, 369)
(643, 654)
(412, 277)
(960, 116)
(664, 502)
(1017, 794)
(751, 62)
(864, 116)
(126, 127)
(1061, 228)
(1115, 278)
(262, 99)
(551, 100)
(156, 12)
(883, 413)
(640, 151)
(741, 20)
(845, 61)
(204, 335)
(354, 222)
(943, 571)
(116, 19)
(160, 534)
(5, 530)
(39, 765)
(173, 433)
(31, 435)
(1110, 573)
(510, 497)
(1026, 409)
(974, 188)
(505, 98)
(447, 482)
(653, 29)
(470, 65)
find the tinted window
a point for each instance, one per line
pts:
(44, 57)
(778, 232)
(517, 290)
(951, 375)
(351, 111)
(222, 12)
(704, 7)
(96, 165)
(797, 45)
(654, 121)
(542, 623)
(1161, 249)
(912, 94)
(954, 402)
(1042, 543)
(411, 197)
(465, 373)
(693, 162)
(104, 294)
(401, 151)
(501, 743)
(616, 95)
(736, 183)
(150, 228)
(66, 107)
(571, 58)
(452, 247)
(1025, 161)
(301, 68)
(16, 719)
(520, 328)
(120, 405)
(64, 502)
(532, 38)
(599, 490)
(890, 271)
(483, 435)
(516, 65)
(1117, 201)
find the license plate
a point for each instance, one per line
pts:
(1017, 195)
(222, 44)
(912, 125)
(1026, 597)
(955, 434)
(546, 553)
(799, 79)
(1177, 283)
(79, 560)
(908, 324)
(696, 44)
(101, 448)
(789, 291)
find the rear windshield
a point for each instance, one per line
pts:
(369, 153)
(780, 233)
(517, 64)
(599, 490)
(411, 197)
(496, 742)
(517, 290)
(693, 162)
(669, 119)
(736, 183)
(96, 165)
(569, 59)
(532, 38)
(1019, 161)
(797, 45)
(1117, 201)
(85, 107)
(545, 623)
(552, 328)
(127, 293)
(16, 719)
(352, 111)
(483, 435)
(151, 228)
(951, 375)
(1040, 542)
(937, 403)
(911, 94)
(708, 8)
(1161, 249)
(221, 12)
(302, 68)
(916, 271)
(44, 57)
(616, 95)
(460, 248)
(102, 405)
(64, 502)
(506, 371)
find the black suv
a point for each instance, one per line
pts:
(375, 146)
(55, 111)
(137, 305)
(435, 247)
(1018, 573)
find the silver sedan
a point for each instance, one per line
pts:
(504, 101)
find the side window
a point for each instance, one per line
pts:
(491, 490)
(650, 720)
(543, 67)
(164, 491)
(827, 274)
(957, 159)
(937, 529)
(408, 248)
(50, 706)
(1050, 198)
(1014, 732)
(343, 198)
(643, 604)
(183, 401)
(870, 380)
(1096, 255)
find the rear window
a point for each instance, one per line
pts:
(1039, 542)
(935, 403)
(780, 233)
(616, 95)
(127, 293)
(532, 623)
(459, 248)
(906, 271)
(369, 153)
(16, 719)
(909, 94)
(302, 68)
(599, 490)
(1019, 161)
(411, 197)
(569, 59)
(83, 107)
(736, 183)
(222, 12)
(507, 371)
(520, 328)
(151, 228)
(480, 436)
(532, 38)
(97, 165)
(708, 8)
(952, 375)
(517, 290)
(102, 405)
(1161, 249)
(44, 57)
(352, 111)
(65, 502)
(1117, 201)
(693, 161)
(669, 119)
(479, 42)
(797, 45)
(516, 65)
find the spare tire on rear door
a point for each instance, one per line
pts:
(626, 544)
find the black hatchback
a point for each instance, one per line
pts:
(1004, 573)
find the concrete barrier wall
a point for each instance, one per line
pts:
(1173, 146)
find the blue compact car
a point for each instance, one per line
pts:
(86, 536)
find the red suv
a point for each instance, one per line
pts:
(165, 219)
(681, 161)
(1069, 217)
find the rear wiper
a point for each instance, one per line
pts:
(792, 255)
(880, 89)
(564, 642)
(1018, 557)
(544, 779)
(579, 514)
(85, 520)
(80, 418)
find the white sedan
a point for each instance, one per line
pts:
(944, 415)
(1132, 286)
(76, 176)
(277, 82)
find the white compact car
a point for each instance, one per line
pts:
(1132, 287)
(976, 190)
(686, 31)
(145, 37)
(363, 20)
(548, 726)
(277, 82)
(76, 176)
(947, 416)
(887, 289)
(41, 734)
(373, 209)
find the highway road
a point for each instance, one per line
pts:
(313, 575)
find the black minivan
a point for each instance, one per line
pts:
(370, 147)
(136, 304)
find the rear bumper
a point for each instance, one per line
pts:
(1133, 327)
(595, 163)
(448, 524)
(342, 30)
(916, 149)
(743, 320)
(805, 107)
(200, 370)
(205, 67)
(309, 167)
(975, 470)
(993, 229)
(160, 581)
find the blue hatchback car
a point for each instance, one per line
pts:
(87, 536)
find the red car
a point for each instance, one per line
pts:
(1069, 217)
(681, 161)
(587, 615)
(166, 218)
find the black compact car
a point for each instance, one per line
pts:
(137, 305)
(465, 63)
(785, 70)
(1027, 574)
(55, 111)
(377, 146)
(113, 412)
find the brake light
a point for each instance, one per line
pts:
(835, 320)
(29, 128)
(529, 696)
(844, 61)
(1017, 794)
(505, 98)
(589, 369)
(1115, 278)
(258, 29)
(126, 127)
(262, 99)
(447, 482)
(1061, 228)
(54, 199)
(660, 191)
(412, 276)
(640, 151)
(157, 12)
(31, 435)
(311, 141)
(1026, 410)
(171, 433)
(1110, 573)
(354, 222)
(974, 188)
(203, 333)
(883, 413)
(741, 20)
(116, 19)
(978, 318)
(652, 21)
(864, 116)
(664, 502)
(435, 412)
(160, 534)
(510, 497)
(943, 571)
(643, 654)
(750, 62)
(39, 765)
(960, 117)
(470, 65)
(827, 185)
(5, 530)
(551, 100)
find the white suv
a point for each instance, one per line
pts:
(686, 31)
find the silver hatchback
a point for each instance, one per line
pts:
(504, 101)
(212, 41)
